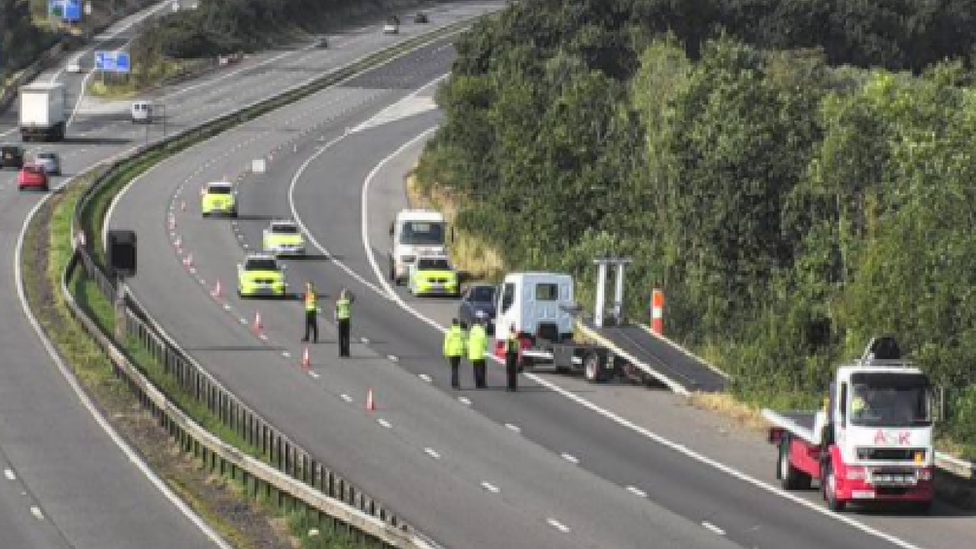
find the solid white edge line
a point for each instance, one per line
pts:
(69, 376)
(595, 408)
(714, 529)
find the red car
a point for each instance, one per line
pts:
(32, 176)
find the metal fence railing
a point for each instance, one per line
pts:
(282, 469)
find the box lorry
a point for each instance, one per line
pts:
(872, 440)
(42, 113)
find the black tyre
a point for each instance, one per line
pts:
(790, 477)
(828, 480)
(593, 369)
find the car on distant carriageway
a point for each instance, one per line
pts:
(434, 275)
(218, 198)
(420, 18)
(392, 25)
(11, 156)
(49, 161)
(283, 237)
(261, 275)
(32, 176)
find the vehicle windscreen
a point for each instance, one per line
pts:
(422, 233)
(483, 294)
(890, 400)
(218, 190)
(284, 229)
(434, 265)
(261, 265)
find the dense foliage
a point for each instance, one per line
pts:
(791, 193)
(20, 40)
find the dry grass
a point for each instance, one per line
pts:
(725, 405)
(469, 252)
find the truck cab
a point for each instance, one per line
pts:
(873, 441)
(415, 233)
(540, 307)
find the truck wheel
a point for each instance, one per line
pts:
(592, 369)
(829, 482)
(789, 476)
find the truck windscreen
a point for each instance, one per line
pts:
(422, 233)
(890, 400)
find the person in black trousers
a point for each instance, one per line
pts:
(512, 347)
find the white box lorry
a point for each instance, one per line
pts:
(872, 441)
(42, 113)
(415, 233)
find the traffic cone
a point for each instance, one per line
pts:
(257, 323)
(216, 291)
(306, 360)
(370, 403)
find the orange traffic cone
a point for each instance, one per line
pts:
(370, 403)
(306, 360)
(257, 323)
(216, 291)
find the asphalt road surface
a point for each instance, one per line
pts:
(566, 470)
(69, 485)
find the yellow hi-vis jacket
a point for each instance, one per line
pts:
(477, 343)
(343, 309)
(311, 302)
(454, 342)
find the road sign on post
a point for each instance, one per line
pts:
(112, 61)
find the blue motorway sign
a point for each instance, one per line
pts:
(112, 61)
(66, 10)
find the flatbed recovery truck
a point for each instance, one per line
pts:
(872, 441)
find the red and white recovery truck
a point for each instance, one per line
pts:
(872, 442)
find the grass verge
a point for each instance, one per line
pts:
(469, 252)
(222, 501)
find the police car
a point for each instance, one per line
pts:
(261, 275)
(434, 275)
(283, 237)
(218, 198)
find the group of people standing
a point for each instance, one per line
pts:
(458, 342)
(474, 344)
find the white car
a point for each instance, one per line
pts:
(49, 162)
(142, 112)
(74, 66)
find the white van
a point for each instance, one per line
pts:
(415, 233)
(142, 112)
(537, 304)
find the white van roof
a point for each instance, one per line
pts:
(537, 275)
(220, 184)
(420, 215)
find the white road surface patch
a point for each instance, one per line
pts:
(313, 374)
(490, 487)
(432, 453)
(9, 474)
(364, 341)
(346, 397)
(570, 458)
(464, 400)
(558, 525)
(637, 491)
(36, 511)
(425, 377)
(393, 358)
(286, 354)
(701, 458)
(384, 423)
(513, 427)
(714, 529)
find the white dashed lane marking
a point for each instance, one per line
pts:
(558, 525)
(432, 453)
(464, 400)
(36, 511)
(637, 491)
(313, 374)
(714, 529)
(512, 427)
(571, 458)
(425, 377)
(346, 397)
(9, 474)
(392, 358)
(490, 487)
(384, 423)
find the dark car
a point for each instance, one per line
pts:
(477, 302)
(420, 18)
(11, 156)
